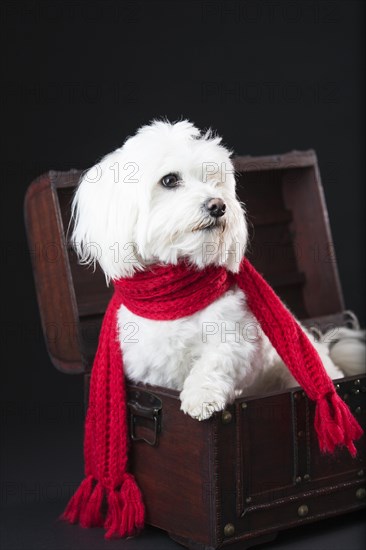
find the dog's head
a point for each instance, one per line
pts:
(167, 193)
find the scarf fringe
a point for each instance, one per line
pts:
(91, 514)
(78, 501)
(125, 513)
(114, 513)
(133, 513)
(335, 424)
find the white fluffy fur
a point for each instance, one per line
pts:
(125, 220)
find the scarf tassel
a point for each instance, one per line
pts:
(125, 513)
(133, 513)
(91, 515)
(335, 424)
(78, 501)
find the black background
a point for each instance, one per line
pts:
(268, 75)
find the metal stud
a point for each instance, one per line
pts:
(360, 473)
(298, 480)
(357, 382)
(345, 397)
(226, 417)
(302, 511)
(229, 530)
(306, 477)
(244, 405)
(358, 410)
(248, 500)
(361, 493)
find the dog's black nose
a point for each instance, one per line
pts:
(215, 207)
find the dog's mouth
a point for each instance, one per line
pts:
(209, 225)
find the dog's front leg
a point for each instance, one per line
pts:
(225, 350)
(210, 385)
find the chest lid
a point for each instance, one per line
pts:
(290, 244)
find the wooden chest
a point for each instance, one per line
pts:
(238, 478)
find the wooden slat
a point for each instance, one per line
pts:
(54, 286)
(303, 194)
(294, 159)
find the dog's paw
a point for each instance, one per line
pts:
(201, 404)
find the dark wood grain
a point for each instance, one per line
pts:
(51, 268)
(303, 195)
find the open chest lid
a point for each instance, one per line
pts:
(290, 244)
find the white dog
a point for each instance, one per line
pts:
(168, 193)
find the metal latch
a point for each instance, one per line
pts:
(145, 416)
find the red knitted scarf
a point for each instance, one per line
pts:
(167, 293)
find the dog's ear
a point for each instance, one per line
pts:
(236, 238)
(104, 215)
(237, 244)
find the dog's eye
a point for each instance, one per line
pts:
(170, 180)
